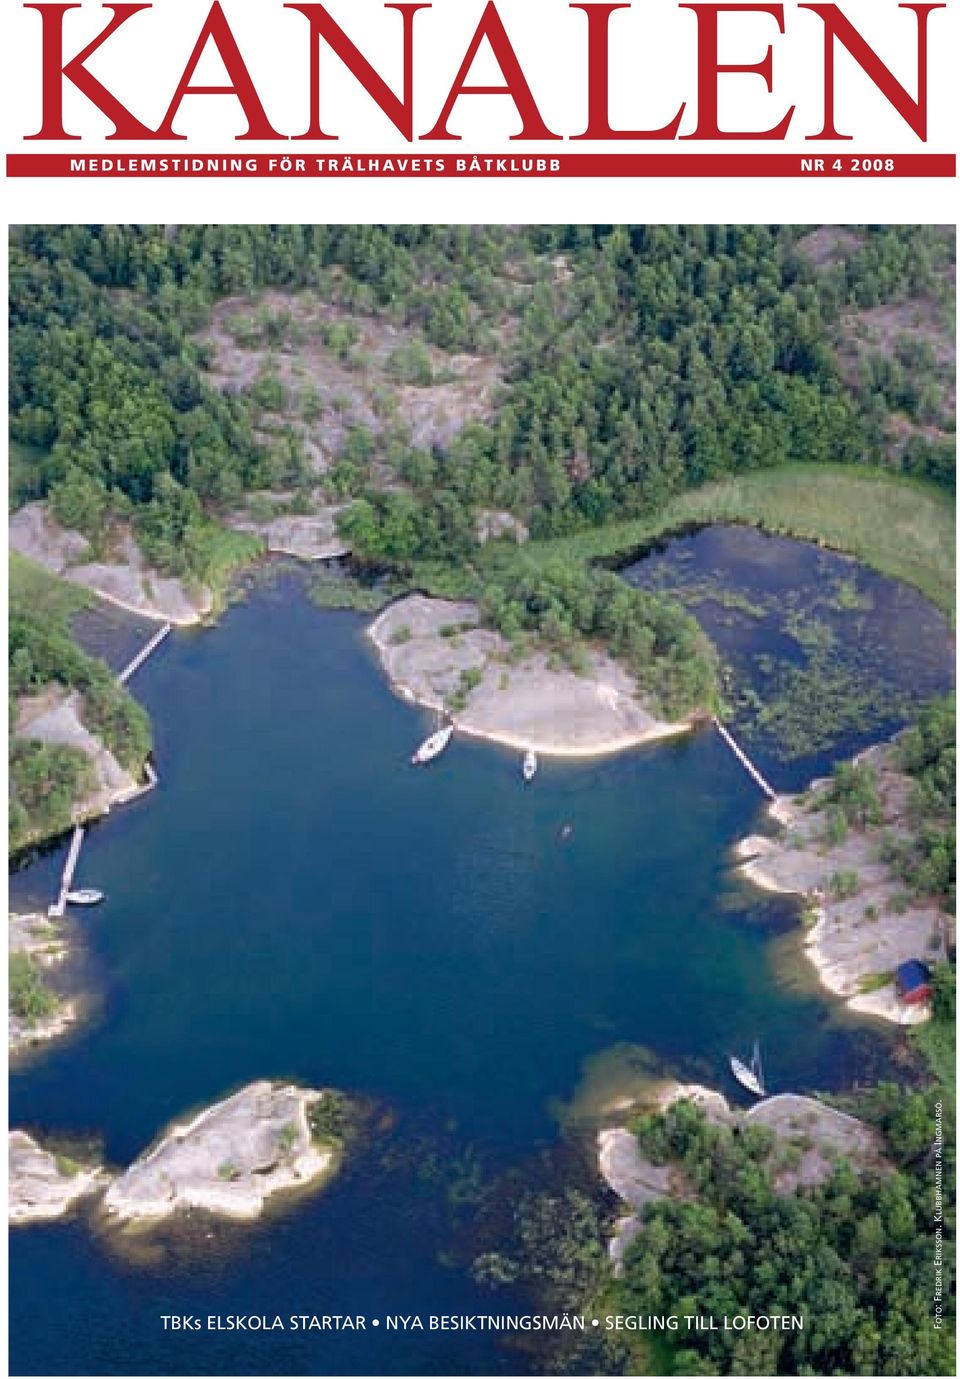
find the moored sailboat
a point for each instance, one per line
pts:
(750, 1076)
(432, 746)
(529, 764)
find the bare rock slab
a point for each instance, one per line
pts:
(306, 536)
(427, 645)
(228, 1160)
(55, 718)
(856, 941)
(43, 1187)
(127, 580)
(635, 1180)
(626, 1172)
(820, 1133)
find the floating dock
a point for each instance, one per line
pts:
(744, 760)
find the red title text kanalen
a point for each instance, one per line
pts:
(313, 26)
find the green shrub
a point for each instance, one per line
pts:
(29, 998)
(844, 884)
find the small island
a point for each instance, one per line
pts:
(268, 1138)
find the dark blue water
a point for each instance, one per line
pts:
(295, 902)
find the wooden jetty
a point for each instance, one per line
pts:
(58, 908)
(144, 654)
(69, 867)
(744, 760)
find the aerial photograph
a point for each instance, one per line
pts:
(482, 769)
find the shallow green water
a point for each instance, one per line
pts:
(821, 656)
(294, 901)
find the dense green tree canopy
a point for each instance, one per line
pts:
(638, 360)
(852, 1257)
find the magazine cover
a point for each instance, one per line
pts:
(482, 752)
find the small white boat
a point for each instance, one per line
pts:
(433, 746)
(529, 765)
(750, 1076)
(86, 895)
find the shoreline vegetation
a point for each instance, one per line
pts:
(121, 575)
(435, 653)
(833, 505)
(811, 1136)
(871, 853)
(901, 527)
(736, 1211)
(79, 742)
(38, 1011)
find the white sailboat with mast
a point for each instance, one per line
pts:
(750, 1075)
(433, 745)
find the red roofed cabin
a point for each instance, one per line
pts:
(913, 982)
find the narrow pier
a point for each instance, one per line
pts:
(58, 908)
(144, 654)
(744, 760)
(138, 791)
(69, 867)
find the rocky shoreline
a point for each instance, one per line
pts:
(862, 922)
(435, 653)
(308, 537)
(228, 1160)
(127, 580)
(44, 944)
(810, 1137)
(54, 717)
(44, 1186)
